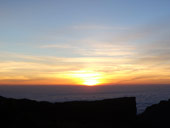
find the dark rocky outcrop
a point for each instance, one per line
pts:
(109, 113)
(157, 115)
(120, 112)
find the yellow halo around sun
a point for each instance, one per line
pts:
(88, 78)
(91, 82)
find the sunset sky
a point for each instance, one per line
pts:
(84, 42)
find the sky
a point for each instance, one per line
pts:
(84, 42)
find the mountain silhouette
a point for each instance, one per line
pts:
(108, 113)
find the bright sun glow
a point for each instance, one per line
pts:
(91, 82)
(88, 78)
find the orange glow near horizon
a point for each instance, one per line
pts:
(92, 71)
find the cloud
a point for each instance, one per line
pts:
(93, 48)
(114, 70)
(133, 41)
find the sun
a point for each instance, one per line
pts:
(91, 82)
(88, 78)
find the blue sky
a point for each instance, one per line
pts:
(22, 20)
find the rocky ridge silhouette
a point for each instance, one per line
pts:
(108, 113)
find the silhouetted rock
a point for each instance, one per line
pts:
(120, 112)
(157, 115)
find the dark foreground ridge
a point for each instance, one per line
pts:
(109, 113)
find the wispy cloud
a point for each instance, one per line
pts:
(114, 70)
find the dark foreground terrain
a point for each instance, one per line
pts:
(109, 113)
